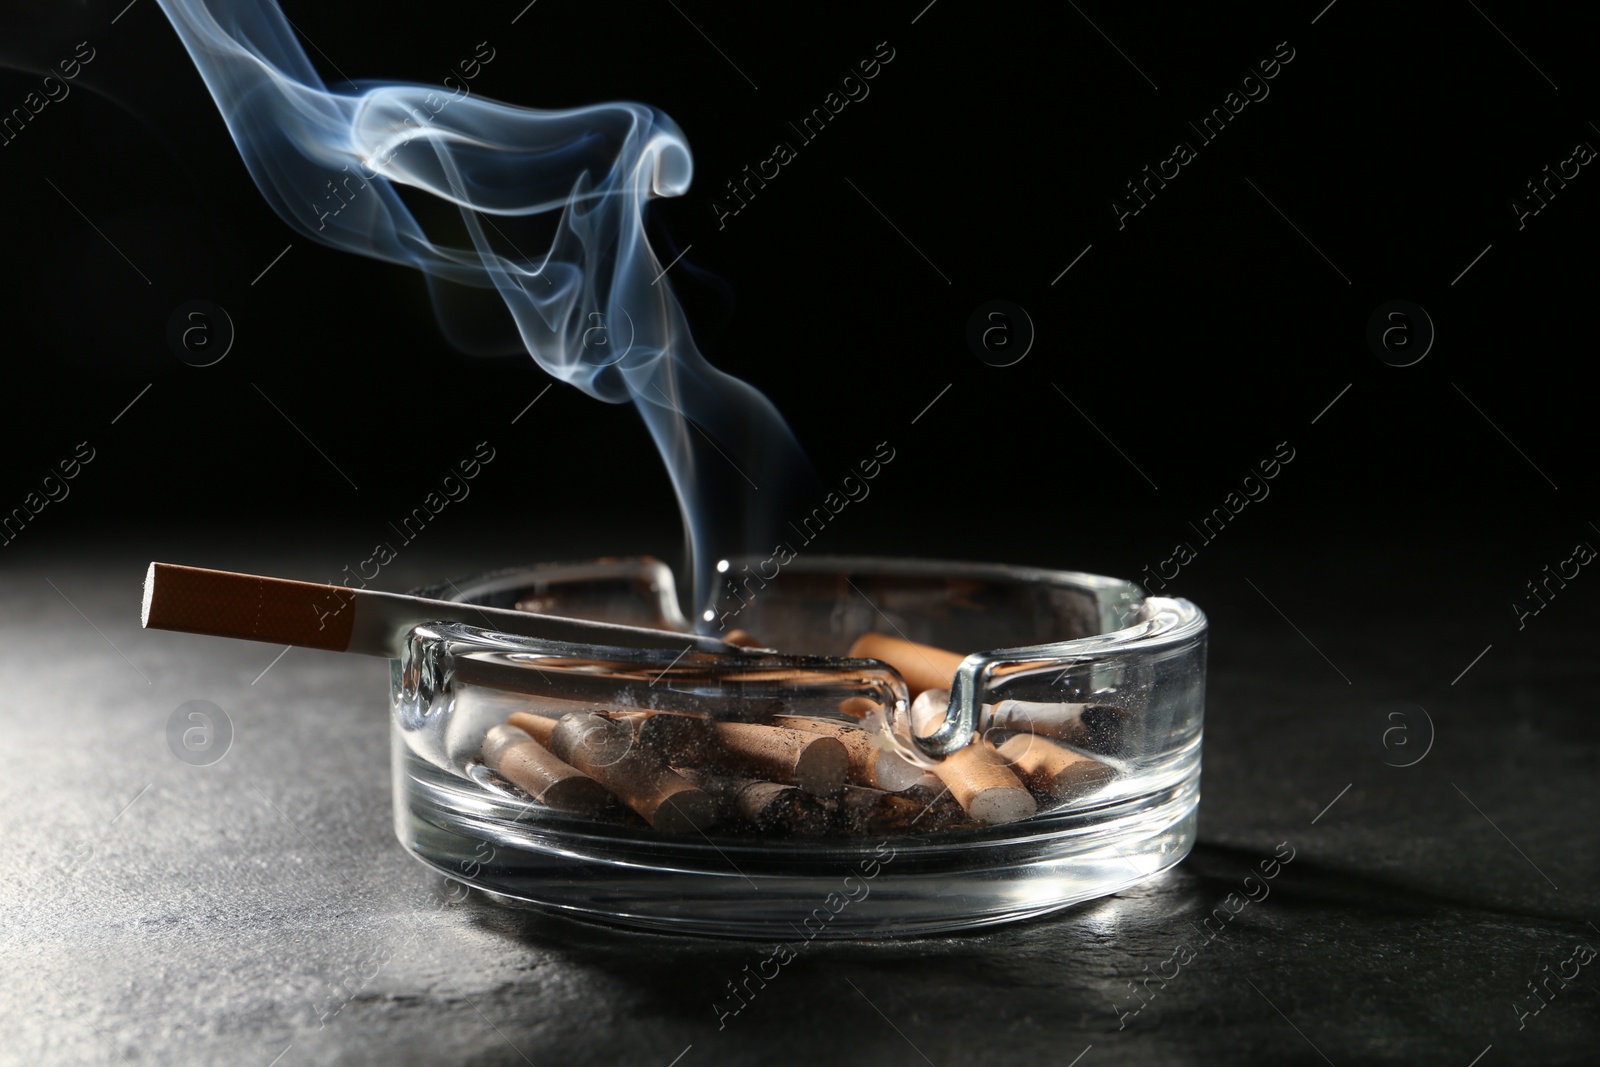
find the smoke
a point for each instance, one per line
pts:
(593, 305)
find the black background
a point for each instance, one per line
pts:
(1196, 338)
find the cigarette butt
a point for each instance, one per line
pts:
(743, 639)
(768, 806)
(869, 764)
(977, 776)
(922, 666)
(984, 786)
(1096, 726)
(538, 727)
(518, 758)
(1052, 769)
(815, 763)
(608, 753)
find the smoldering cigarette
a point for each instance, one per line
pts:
(923, 667)
(340, 619)
(638, 777)
(869, 765)
(771, 807)
(517, 757)
(1051, 769)
(816, 763)
(978, 778)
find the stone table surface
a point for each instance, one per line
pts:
(259, 910)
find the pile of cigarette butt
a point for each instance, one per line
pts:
(796, 775)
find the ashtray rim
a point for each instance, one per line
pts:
(1180, 619)
(1164, 621)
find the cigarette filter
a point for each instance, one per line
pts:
(768, 806)
(869, 765)
(922, 666)
(518, 758)
(608, 753)
(1052, 769)
(977, 776)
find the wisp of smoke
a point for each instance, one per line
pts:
(331, 163)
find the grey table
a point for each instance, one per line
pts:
(259, 911)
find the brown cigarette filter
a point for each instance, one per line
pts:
(869, 765)
(223, 604)
(609, 754)
(518, 758)
(977, 776)
(984, 786)
(768, 806)
(1052, 769)
(922, 666)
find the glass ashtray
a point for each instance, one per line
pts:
(1039, 747)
